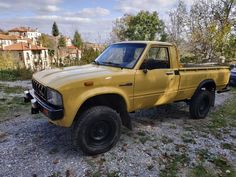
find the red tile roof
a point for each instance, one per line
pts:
(23, 46)
(8, 37)
(71, 47)
(22, 29)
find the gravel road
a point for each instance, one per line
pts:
(31, 146)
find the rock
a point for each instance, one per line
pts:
(56, 161)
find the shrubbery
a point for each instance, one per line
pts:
(15, 74)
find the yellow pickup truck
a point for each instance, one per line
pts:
(96, 98)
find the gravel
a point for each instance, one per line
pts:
(24, 84)
(34, 147)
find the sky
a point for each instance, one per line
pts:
(92, 18)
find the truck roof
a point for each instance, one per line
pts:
(147, 42)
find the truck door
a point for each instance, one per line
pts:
(156, 82)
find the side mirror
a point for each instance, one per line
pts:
(145, 71)
(144, 67)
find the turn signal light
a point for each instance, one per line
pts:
(88, 83)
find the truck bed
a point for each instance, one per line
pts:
(192, 75)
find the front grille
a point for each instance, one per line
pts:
(39, 89)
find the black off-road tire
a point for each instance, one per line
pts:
(97, 130)
(200, 104)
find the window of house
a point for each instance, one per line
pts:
(157, 58)
(28, 56)
(20, 56)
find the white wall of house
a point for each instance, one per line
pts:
(16, 33)
(21, 40)
(4, 42)
(36, 59)
(33, 35)
(68, 42)
(29, 34)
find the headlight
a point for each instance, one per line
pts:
(54, 97)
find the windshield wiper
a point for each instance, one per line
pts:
(112, 64)
(96, 62)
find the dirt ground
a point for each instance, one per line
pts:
(164, 142)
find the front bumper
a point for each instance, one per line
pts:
(38, 104)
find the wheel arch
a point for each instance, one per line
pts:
(208, 84)
(113, 100)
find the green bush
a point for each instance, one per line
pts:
(15, 74)
(188, 59)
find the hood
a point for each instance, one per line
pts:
(61, 76)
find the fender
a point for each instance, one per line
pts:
(207, 83)
(72, 107)
(203, 83)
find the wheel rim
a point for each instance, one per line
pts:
(100, 133)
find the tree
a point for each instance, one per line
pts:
(61, 42)
(46, 41)
(7, 61)
(230, 47)
(143, 26)
(177, 26)
(55, 33)
(55, 30)
(77, 40)
(89, 55)
(205, 29)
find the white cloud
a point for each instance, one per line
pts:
(4, 5)
(161, 6)
(32, 5)
(90, 12)
(92, 29)
(49, 9)
(60, 19)
(130, 6)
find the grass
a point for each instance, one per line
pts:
(56, 174)
(228, 146)
(166, 140)
(113, 174)
(224, 116)
(143, 137)
(174, 165)
(203, 154)
(200, 171)
(9, 90)
(222, 167)
(226, 169)
(11, 106)
(96, 174)
(187, 138)
(15, 74)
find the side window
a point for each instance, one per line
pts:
(157, 58)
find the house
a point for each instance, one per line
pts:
(31, 56)
(6, 40)
(98, 47)
(68, 41)
(69, 54)
(73, 52)
(25, 32)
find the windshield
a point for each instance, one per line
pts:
(123, 55)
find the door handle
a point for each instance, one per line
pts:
(170, 73)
